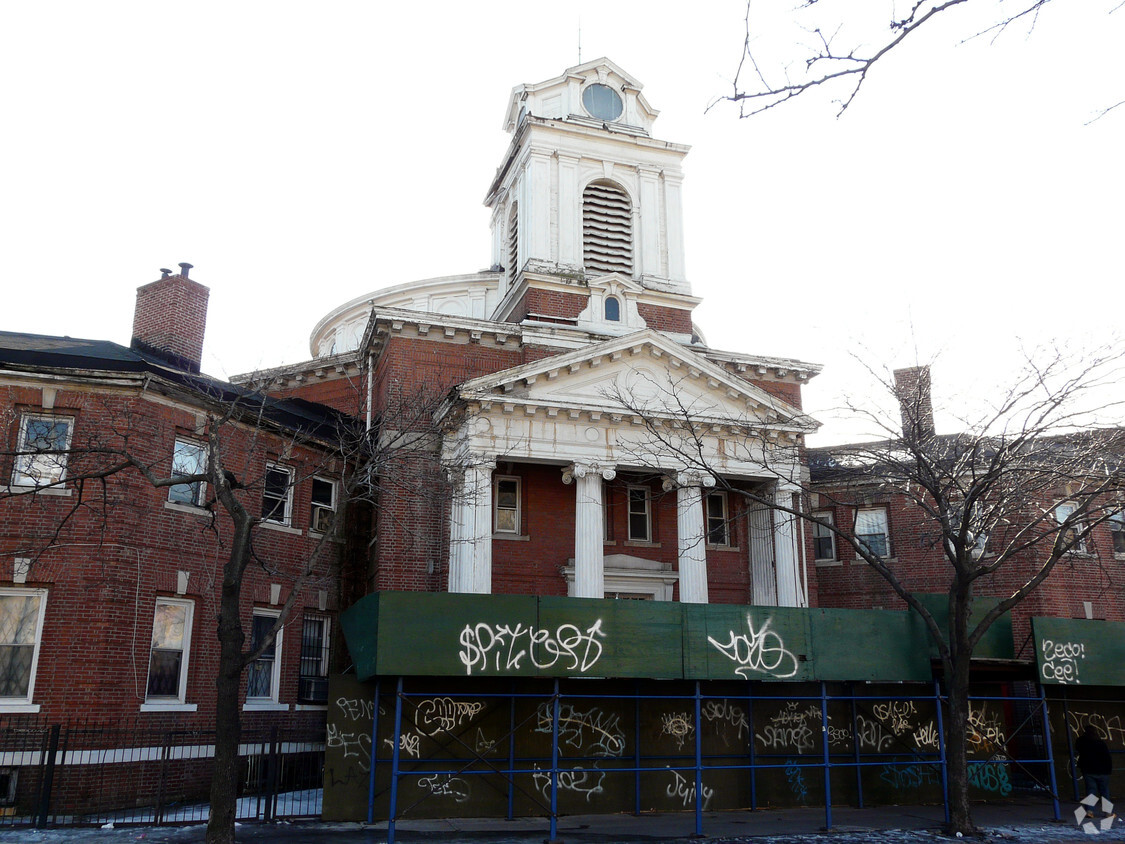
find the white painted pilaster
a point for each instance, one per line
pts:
(470, 530)
(789, 592)
(674, 225)
(537, 196)
(649, 222)
(570, 212)
(589, 527)
(691, 530)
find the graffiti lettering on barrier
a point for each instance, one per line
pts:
(681, 789)
(592, 731)
(872, 735)
(838, 736)
(408, 743)
(790, 728)
(453, 787)
(985, 734)
(483, 745)
(991, 776)
(760, 651)
(356, 710)
(502, 647)
(678, 725)
(443, 714)
(796, 778)
(926, 736)
(1108, 729)
(910, 776)
(584, 781)
(1060, 661)
(896, 715)
(721, 712)
(355, 745)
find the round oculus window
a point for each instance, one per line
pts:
(602, 102)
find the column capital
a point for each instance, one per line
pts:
(581, 470)
(688, 478)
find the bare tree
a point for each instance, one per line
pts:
(840, 49)
(105, 471)
(1019, 491)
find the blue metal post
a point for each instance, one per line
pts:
(554, 836)
(698, 763)
(941, 751)
(827, 760)
(374, 756)
(753, 754)
(636, 748)
(512, 751)
(394, 763)
(1050, 751)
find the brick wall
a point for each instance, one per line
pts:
(675, 320)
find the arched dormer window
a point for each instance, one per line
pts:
(607, 229)
(513, 243)
(612, 309)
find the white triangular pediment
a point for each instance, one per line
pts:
(644, 374)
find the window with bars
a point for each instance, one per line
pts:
(607, 229)
(264, 672)
(312, 685)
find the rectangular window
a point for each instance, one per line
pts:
(21, 631)
(824, 540)
(42, 450)
(640, 508)
(277, 495)
(871, 530)
(506, 496)
(264, 672)
(717, 518)
(323, 505)
(168, 660)
(312, 687)
(1062, 513)
(188, 458)
(1117, 531)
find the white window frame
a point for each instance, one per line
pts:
(287, 516)
(709, 520)
(322, 657)
(647, 513)
(1117, 529)
(315, 509)
(886, 529)
(24, 703)
(177, 701)
(825, 516)
(24, 463)
(270, 701)
(200, 487)
(1077, 526)
(496, 508)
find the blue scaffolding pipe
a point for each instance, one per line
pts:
(1050, 755)
(395, 742)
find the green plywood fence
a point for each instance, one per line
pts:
(997, 641)
(456, 635)
(1075, 652)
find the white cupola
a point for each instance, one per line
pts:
(584, 189)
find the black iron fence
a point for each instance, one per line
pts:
(146, 772)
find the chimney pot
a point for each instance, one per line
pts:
(165, 272)
(185, 268)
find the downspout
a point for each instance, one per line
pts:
(804, 563)
(370, 387)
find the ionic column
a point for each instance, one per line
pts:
(691, 531)
(589, 527)
(470, 549)
(789, 592)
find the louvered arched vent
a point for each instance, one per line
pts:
(607, 229)
(513, 242)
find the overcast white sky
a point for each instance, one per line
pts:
(300, 155)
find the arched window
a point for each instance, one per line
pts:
(607, 229)
(513, 243)
(612, 309)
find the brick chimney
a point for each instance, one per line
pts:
(912, 388)
(171, 318)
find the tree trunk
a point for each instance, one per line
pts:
(228, 719)
(956, 750)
